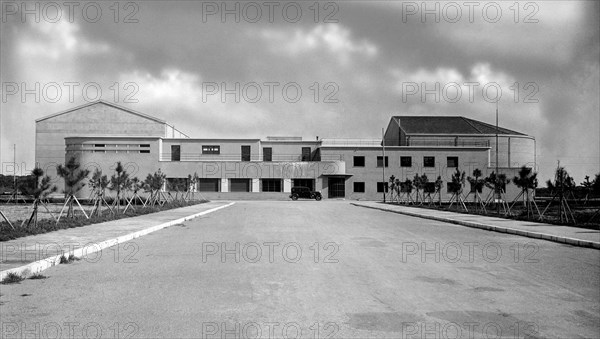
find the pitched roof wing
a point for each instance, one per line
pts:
(447, 125)
(104, 103)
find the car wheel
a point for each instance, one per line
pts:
(294, 197)
(318, 197)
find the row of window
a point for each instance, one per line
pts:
(109, 148)
(359, 187)
(359, 161)
(245, 152)
(235, 185)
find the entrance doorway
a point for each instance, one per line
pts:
(337, 187)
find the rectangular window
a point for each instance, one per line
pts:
(428, 161)
(405, 161)
(380, 161)
(267, 154)
(359, 187)
(310, 183)
(359, 161)
(245, 153)
(239, 185)
(452, 162)
(208, 185)
(270, 185)
(101, 150)
(305, 153)
(175, 153)
(143, 148)
(429, 187)
(381, 186)
(177, 184)
(211, 149)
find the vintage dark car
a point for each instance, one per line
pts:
(305, 192)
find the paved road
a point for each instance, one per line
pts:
(321, 269)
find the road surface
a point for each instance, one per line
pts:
(307, 269)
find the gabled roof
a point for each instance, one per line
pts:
(447, 125)
(149, 117)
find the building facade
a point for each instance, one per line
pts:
(101, 134)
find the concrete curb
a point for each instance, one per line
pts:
(535, 235)
(43, 264)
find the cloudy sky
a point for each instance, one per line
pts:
(356, 63)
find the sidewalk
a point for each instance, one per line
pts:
(563, 234)
(33, 254)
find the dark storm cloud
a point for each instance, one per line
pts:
(170, 52)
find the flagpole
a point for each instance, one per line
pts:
(383, 161)
(498, 195)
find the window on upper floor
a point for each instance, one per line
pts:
(405, 161)
(305, 153)
(245, 153)
(211, 149)
(380, 161)
(267, 154)
(359, 161)
(175, 152)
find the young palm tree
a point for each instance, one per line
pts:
(477, 184)
(40, 191)
(119, 182)
(423, 180)
(135, 185)
(74, 176)
(416, 182)
(456, 186)
(588, 187)
(563, 185)
(153, 184)
(497, 183)
(407, 187)
(526, 180)
(392, 187)
(438, 188)
(99, 183)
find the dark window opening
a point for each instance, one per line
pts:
(405, 161)
(428, 161)
(245, 153)
(175, 153)
(305, 153)
(429, 187)
(359, 187)
(211, 149)
(270, 185)
(359, 161)
(208, 185)
(381, 186)
(310, 183)
(452, 162)
(267, 154)
(380, 161)
(239, 185)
